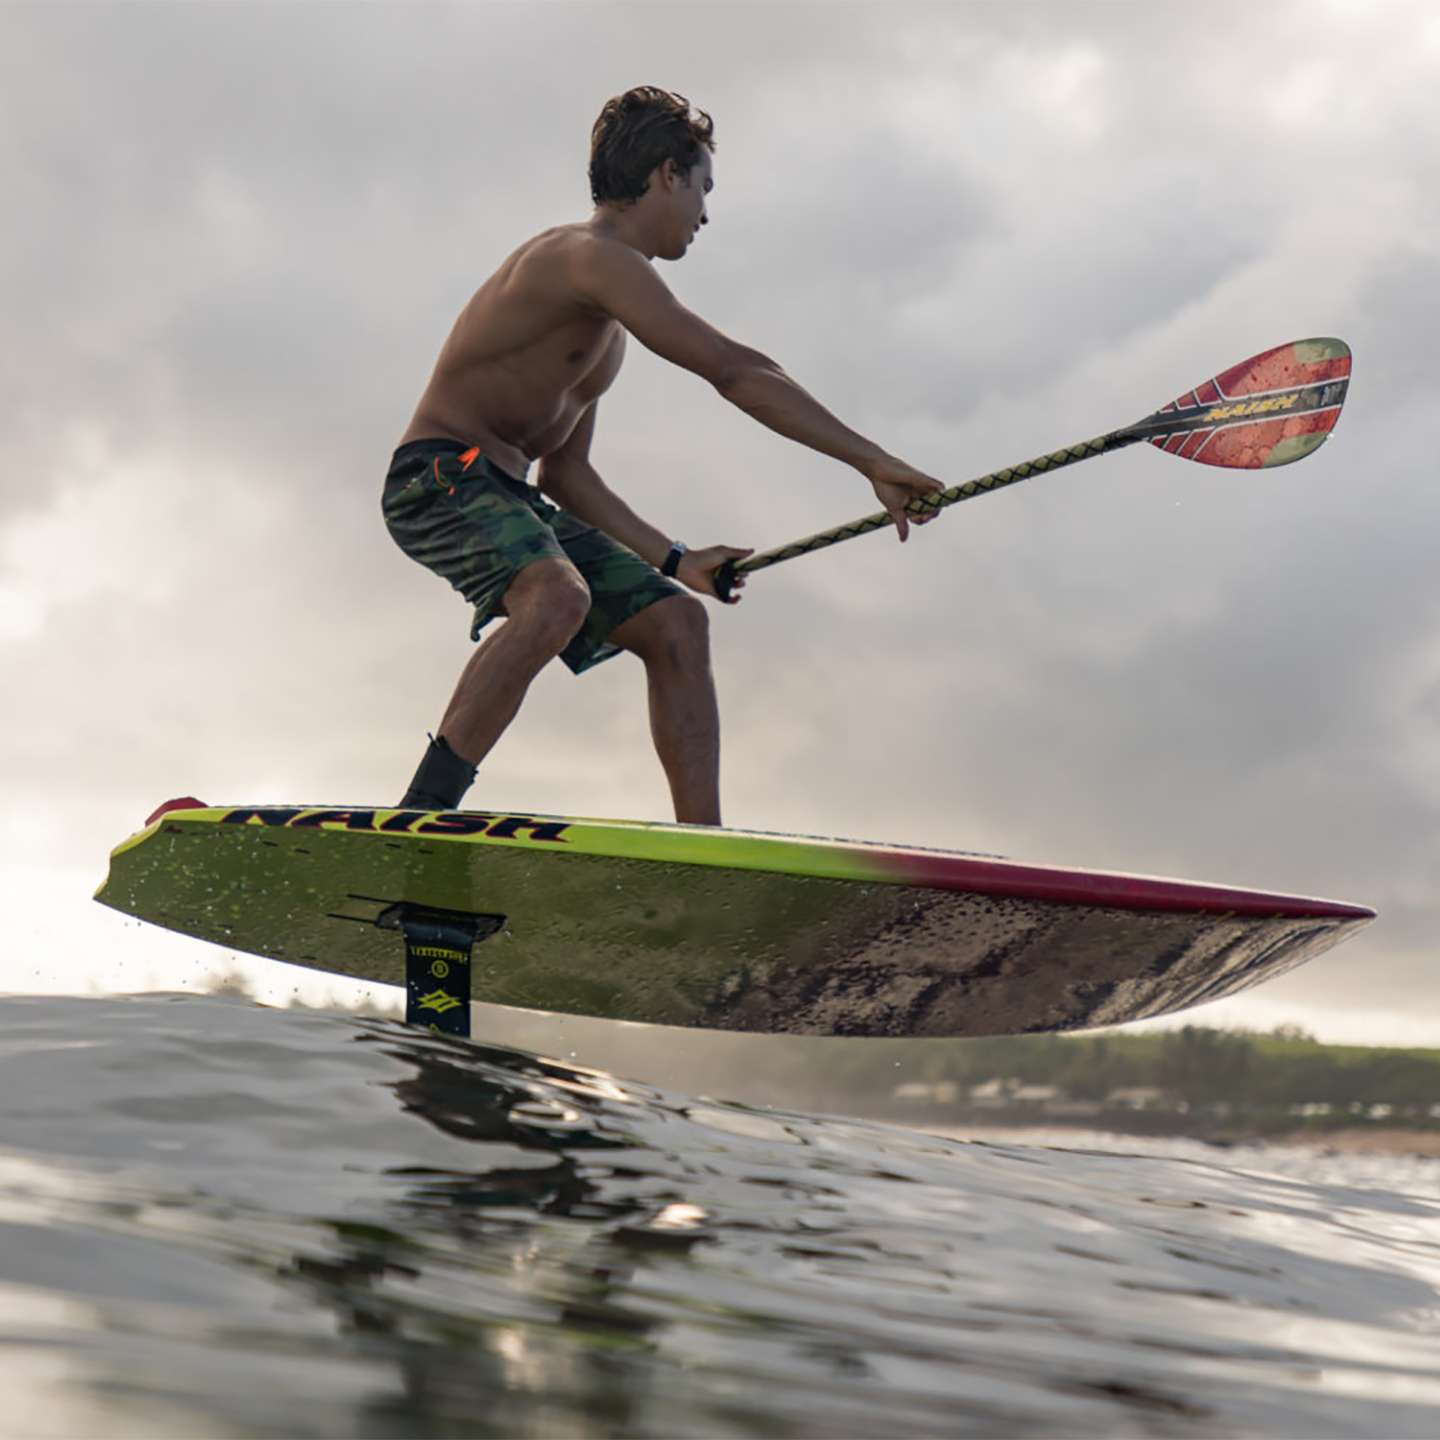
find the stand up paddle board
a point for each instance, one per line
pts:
(703, 927)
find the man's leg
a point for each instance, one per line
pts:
(546, 604)
(672, 637)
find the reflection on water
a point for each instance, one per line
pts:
(221, 1219)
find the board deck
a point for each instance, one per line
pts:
(704, 927)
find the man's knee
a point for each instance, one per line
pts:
(549, 600)
(678, 631)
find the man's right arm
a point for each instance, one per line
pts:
(622, 283)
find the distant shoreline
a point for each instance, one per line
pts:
(1348, 1141)
(1360, 1142)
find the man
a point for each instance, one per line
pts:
(573, 569)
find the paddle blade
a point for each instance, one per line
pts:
(1272, 409)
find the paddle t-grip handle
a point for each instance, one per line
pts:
(725, 580)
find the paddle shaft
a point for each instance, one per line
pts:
(983, 485)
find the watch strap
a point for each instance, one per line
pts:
(672, 560)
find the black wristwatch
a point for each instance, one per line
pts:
(672, 560)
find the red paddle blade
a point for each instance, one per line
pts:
(1272, 409)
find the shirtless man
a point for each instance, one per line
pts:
(574, 570)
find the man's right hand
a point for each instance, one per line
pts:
(699, 568)
(896, 484)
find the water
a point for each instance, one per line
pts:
(225, 1220)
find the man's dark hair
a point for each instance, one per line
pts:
(639, 130)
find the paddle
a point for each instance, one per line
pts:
(1272, 409)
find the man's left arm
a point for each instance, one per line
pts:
(568, 478)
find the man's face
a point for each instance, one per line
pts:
(685, 204)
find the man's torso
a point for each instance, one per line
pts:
(524, 360)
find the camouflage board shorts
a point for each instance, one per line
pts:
(448, 507)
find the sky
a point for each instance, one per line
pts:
(237, 235)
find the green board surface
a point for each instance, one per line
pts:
(721, 929)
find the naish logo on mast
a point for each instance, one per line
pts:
(404, 822)
(438, 1001)
(1252, 407)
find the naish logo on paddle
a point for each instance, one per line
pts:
(404, 822)
(1251, 407)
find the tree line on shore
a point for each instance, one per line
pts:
(1203, 1069)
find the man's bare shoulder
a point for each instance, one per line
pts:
(585, 256)
(574, 244)
(568, 264)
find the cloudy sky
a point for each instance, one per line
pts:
(237, 233)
